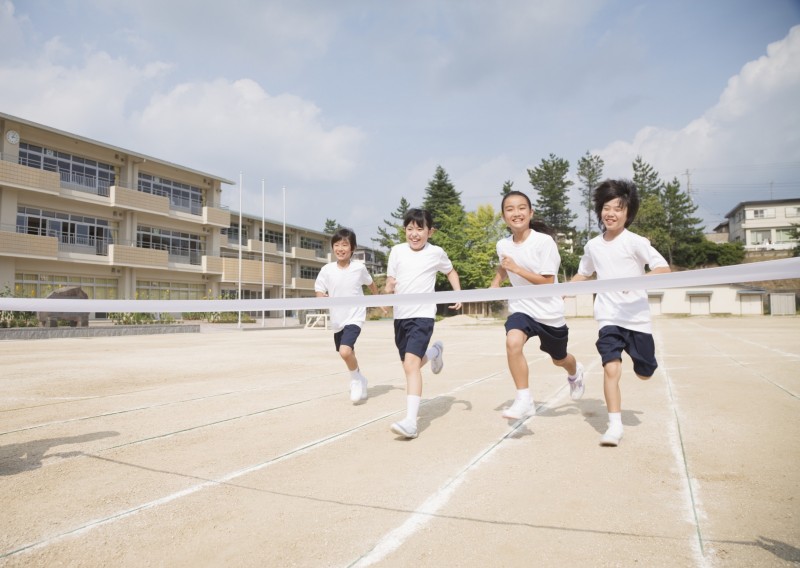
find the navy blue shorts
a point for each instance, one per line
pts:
(553, 339)
(639, 346)
(347, 336)
(413, 336)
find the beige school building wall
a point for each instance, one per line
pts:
(728, 299)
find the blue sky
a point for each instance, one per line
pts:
(352, 104)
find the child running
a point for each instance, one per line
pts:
(412, 269)
(623, 317)
(341, 279)
(527, 258)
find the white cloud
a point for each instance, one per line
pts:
(754, 121)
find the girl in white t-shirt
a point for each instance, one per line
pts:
(345, 278)
(527, 258)
(623, 317)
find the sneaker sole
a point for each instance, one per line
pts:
(400, 432)
(609, 442)
(437, 368)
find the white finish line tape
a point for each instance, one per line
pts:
(769, 270)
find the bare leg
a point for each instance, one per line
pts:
(612, 371)
(517, 365)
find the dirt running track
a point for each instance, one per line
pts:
(241, 448)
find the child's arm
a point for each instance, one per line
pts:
(660, 270)
(391, 282)
(322, 294)
(500, 276)
(374, 289)
(455, 282)
(508, 264)
(579, 278)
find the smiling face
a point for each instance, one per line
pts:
(417, 236)
(343, 251)
(517, 213)
(614, 215)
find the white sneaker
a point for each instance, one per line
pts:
(612, 436)
(405, 428)
(437, 363)
(364, 393)
(576, 386)
(520, 409)
(355, 390)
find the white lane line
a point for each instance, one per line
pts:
(691, 502)
(426, 511)
(298, 451)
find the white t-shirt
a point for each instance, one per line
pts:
(342, 283)
(538, 253)
(415, 272)
(623, 257)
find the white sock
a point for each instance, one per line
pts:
(524, 394)
(412, 407)
(615, 420)
(432, 353)
(356, 375)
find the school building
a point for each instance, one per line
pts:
(125, 225)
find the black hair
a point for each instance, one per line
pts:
(422, 218)
(622, 189)
(536, 224)
(344, 234)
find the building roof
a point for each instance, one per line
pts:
(112, 147)
(761, 202)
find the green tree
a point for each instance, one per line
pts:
(393, 233)
(508, 186)
(646, 179)
(331, 226)
(482, 229)
(681, 227)
(795, 235)
(590, 172)
(441, 197)
(549, 180)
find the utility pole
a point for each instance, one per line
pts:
(689, 184)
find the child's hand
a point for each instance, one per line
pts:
(456, 306)
(385, 311)
(507, 263)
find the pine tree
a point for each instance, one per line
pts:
(393, 233)
(550, 182)
(508, 187)
(331, 226)
(440, 197)
(646, 179)
(590, 172)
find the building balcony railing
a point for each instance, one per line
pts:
(252, 271)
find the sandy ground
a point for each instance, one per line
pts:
(239, 448)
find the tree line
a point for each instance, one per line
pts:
(666, 218)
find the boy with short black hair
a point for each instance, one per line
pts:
(412, 269)
(623, 317)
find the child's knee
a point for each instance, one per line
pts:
(345, 351)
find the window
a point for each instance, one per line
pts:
(309, 272)
(793, 211)
(27, 285)
(273, 237)
(182, 196)
(75, 233)
(312, 244)
(78, 173)
(182, 247)
(159, 290)
(784, 236)
(760, 237)
(762, 213)
(233, 234)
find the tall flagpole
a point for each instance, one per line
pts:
(283, 287)
(263, 243)
(239, 296)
